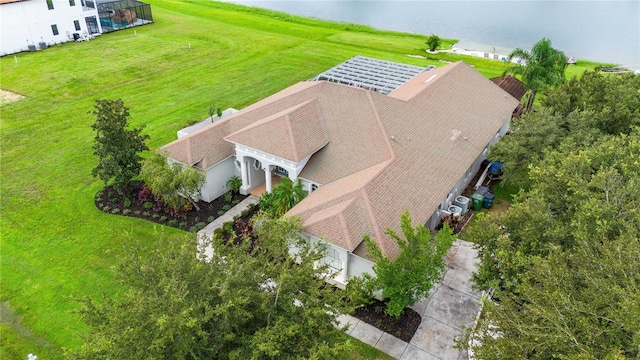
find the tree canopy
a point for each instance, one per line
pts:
(574, 115)
(118, 148)
(251, 301)
(420, 265)
(433, 42)
(562, 261)
(541, 67)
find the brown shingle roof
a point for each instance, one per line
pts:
(438, 130)
(293, 134)
(511, 85)
(385, 154)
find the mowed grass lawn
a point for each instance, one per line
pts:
(55, 246)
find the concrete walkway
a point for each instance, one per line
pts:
(207, 233)
(450, 306)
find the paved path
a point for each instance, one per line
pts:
(450, 306)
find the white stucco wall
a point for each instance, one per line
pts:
(216, 179)
(29, 22)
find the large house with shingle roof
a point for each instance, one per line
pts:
(365, 157)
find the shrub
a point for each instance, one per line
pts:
(228, 196)
(115, 211)
(183, 224)
(146, 213)
(220, 212)
(234, 184)
(226, 207)
(163, 218)
(145, 194)
(200, 225)
(211, 218)
(137, 212)
(172, 222)
(126, 212)
(106, 208)
(114, 200)
(127, 202)
(155, 216)
(147, 205)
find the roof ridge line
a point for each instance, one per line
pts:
(291, 139)
(345, 226)
(380, 126)
(374, 223)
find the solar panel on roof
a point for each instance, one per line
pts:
(376, 75)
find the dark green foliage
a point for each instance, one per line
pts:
(118, 148)
(284, 196)
(234, 183)
(420, 265)
(433, 42)
(563, 260)
(576, 115)
(243, 303)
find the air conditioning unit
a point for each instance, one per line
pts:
(456, 211)
(462, 202)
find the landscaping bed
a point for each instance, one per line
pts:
(139, 203)
(403, 327)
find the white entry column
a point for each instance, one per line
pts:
(267, 177)
(245, 177)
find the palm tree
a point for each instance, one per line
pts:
(286, 195)
(542, 67)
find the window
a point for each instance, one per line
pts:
(76, 23)
(72, 2)
(54, 29)
(333, 259)
(256, 164)
(50, 5)
(281, 171)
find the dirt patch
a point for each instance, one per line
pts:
(7, 97)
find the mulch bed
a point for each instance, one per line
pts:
(130, 204)
(403, 327)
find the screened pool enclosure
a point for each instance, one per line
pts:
(120, 14)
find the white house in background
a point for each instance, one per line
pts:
(398, 138)
(31, 22)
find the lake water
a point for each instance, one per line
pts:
(606, 31)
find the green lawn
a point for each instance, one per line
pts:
(55, 245)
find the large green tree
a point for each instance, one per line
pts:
(175, 183)
(563, 260)
(420, 265)
(573, 115)
(542, 67)
(251, 301)
(118, 148)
